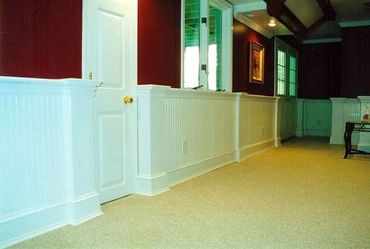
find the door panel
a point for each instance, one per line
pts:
(111, 50)
(109, 26)
(110, 133)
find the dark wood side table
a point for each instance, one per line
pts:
(350, 128)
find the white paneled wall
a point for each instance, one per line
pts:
(287, 117)
(364, 140)
(314, 117)
(343, 110)
(197, 128)
(257, 123)
(184, 133)
(47, 175)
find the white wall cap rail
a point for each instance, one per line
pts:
(181, 92)
(243, 94)
(73, 82)
(367, 98)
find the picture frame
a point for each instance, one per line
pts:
(256, 63)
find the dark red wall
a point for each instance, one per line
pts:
(355, 80)
(242, 35)
(159, 42)
(291, 41)
(336, 69)
(319, 70)
(41, 38)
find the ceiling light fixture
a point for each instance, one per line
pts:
(272, 23)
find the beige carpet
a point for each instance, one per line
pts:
(301, 195)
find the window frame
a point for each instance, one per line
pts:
(289, 52)
(227, 22)
(295, 76)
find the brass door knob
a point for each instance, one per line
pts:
(128, 100)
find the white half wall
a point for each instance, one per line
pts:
(314, 117)
(257, 124)
(183, 133)
(48, 175)
(343, 110)
(287, 117)
(47, 171)
(364, 140)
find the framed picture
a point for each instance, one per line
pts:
(256, 62)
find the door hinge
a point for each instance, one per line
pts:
(204, 20)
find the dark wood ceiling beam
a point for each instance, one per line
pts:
(329, 15)
(328, 9)
(278, 10)
(317, 24)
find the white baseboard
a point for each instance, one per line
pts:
(159, 183)
(299, 133)
(152, 185)
(237, 155)
(316, 132)
(194, 170)
(84, 208)
(253, 149)
(364, 147)
(278, 142)
(30, 223)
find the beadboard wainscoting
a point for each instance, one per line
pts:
(287, 117)
(257, 124)
(47, 171)
(364, 140)
(184, 133)
(314, 117)
(344, 110)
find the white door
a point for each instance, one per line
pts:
(110, 28)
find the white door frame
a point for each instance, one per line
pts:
(132, 161)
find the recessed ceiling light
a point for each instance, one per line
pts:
(272, 23)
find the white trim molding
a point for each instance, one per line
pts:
(323, 40)
(239, 14)
(350, 24)
(46, 146)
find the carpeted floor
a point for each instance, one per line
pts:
(301, 195)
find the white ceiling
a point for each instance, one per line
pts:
(262, 18)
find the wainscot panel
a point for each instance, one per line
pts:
(314, 117)
(183, 133)
(47, 173)
(257, 123)
(343, 110)
(287, 117)
(364, 140)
